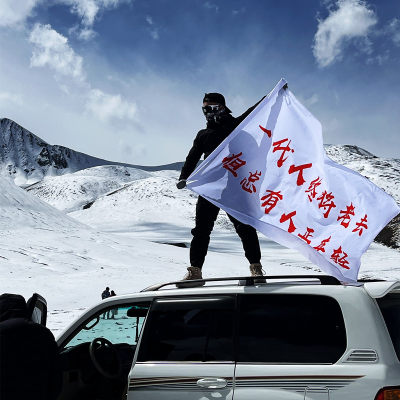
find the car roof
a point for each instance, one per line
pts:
(375, 288)
(381, 288)
(250, 281)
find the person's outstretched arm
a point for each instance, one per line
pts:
(246, 113)
(192, 159)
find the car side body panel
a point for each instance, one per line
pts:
(368, 362)
(181, 381)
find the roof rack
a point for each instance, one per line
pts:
(245, 281)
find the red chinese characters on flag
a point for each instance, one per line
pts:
(299, 169)
(340, 257)
(326, 202)
(286, 217)
(312, 189)
(267, 131)
(277, 147)
(345, 215)
(306, 235)
(270, 200)
(321, 246)
(361, 225)
(233, 163)
(248, 183)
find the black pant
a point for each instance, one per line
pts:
(206, 214)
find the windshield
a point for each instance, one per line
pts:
(121, 324)
(390, 308)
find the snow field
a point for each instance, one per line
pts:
(120, 240)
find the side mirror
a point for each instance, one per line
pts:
(138, 311)
(37, 309)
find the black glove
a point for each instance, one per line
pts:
(181, 184)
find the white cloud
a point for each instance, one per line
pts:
(87, 34)
(211, 6)
(52, 50)
(238, 11)
(153, 30)
(89, 9)
(86, 9)
(14, 12)
(394, 31)
(107, 107)
(82, 33)
(352, 19)
(312, 100)
(6, 97)
(154, 34)
(379, 59)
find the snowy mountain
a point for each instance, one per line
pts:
(28, 158)
(145, 198)
(383, 172)
(18, 209)
(71, 192)
(139, 205)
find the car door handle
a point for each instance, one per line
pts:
(317, 389)
(212, 383)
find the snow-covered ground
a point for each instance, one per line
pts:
(124, 241)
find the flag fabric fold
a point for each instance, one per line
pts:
(272, 172)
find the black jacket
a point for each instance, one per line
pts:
(207, 140)
(29, 360)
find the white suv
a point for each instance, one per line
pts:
(294, 337)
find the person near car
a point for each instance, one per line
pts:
(114, 311)
(220, 123)
(29, 359)
(105, 295)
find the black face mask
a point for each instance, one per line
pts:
(214, 112)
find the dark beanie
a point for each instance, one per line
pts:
(216, 98)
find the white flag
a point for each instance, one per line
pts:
(272, 172)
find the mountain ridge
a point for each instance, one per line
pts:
(28, 159)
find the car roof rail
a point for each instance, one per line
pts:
(246, 281)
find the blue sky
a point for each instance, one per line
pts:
(124, 79)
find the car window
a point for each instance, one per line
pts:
(121, 324)
(290, 329)
(189, 329)
(390, 308)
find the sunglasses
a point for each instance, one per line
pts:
(211, 108)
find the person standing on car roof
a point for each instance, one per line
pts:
(29, 359)
(220, 123)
